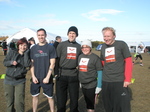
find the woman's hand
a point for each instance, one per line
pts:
(14, 63)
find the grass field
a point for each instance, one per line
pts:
(140, 90)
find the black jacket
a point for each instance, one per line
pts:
(20, 70)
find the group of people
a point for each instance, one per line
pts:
(72, 64)
(12, 45)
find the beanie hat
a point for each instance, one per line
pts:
(86, 42)
(74, 29)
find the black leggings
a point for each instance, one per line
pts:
(5, 52)
(89, 96)
(139, 56)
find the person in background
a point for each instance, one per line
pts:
(17, 61)
(43, 61)
(132, 49)
(148, 50)
(90, 68)
(57, 41)
(51, 42)
(4, 46)
(67, 79)
(138, 55)
(117, 72)
(31, 42)
(12, 45)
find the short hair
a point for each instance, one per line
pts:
(58, 37)
(110, 29)
(30, 39)
(21, 41)
(42, 29)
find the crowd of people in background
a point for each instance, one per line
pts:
(71, 64)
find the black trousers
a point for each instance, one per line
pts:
(139, 56)
(116, 98)
(64, 85)
(5, 52)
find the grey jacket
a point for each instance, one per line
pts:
(16, 74)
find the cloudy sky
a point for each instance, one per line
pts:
(130, 18)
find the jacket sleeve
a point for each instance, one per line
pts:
(8, 59)
(128, 69)
(102, 63)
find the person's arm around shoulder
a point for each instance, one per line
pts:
(128, 71)
(52, 65)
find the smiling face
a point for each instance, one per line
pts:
(22, 48)
(108, 37)
(86, 49)
(72, 36)
(41, 36)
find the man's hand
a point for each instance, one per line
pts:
(46, 80)
(35, 80)
(126, 84)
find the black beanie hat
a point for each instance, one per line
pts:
(74, 29)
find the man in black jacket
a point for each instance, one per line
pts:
(57, 41)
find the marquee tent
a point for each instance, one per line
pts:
(146, 45)
(134, 45)
(28, 33)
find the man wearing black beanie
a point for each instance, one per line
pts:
(67, 79)
(74, 29)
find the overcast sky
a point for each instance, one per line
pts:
(130, 18)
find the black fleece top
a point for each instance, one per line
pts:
(18, 70)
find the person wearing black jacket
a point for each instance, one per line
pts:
(17, 61)
(57, 41)
(4, 46)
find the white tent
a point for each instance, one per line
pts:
(146, 45)
(28, 33)
(134, 45)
